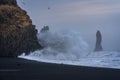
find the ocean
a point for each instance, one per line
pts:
(68, 47)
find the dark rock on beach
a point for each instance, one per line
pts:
(17, 33)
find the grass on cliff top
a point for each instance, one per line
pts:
(12, 17)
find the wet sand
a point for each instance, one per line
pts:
(21, 69)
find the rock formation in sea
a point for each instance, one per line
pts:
(98, 46)
(44, 29)
(17, 33)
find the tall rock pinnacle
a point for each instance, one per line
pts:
(98, 46)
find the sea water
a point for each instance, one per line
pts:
(68, 47)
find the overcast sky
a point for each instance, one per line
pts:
(85, 16)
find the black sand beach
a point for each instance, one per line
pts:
(21, 69)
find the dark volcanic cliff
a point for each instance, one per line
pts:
(8, 2)
(17, 33)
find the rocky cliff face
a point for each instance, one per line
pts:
(8, 2)
(17, 33)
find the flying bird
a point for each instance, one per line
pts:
(24, 3)
(49, 8)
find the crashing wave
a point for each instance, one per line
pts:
(67, 47)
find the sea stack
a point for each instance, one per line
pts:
(44, 29)
(17, 33)
(98, 46)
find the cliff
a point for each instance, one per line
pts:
(8, 2)
(17, 33)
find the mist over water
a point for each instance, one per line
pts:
(68, 47)
(63, 45)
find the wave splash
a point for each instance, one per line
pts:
(61, 45)
(68, 47)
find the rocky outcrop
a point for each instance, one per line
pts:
(17, 33)
(98, 46)
(44, 29)
(8, 2)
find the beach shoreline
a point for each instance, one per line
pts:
(22, 69)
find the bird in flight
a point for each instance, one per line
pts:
(24, 3)
(49, 8)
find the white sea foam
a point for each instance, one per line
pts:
(68, 47)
